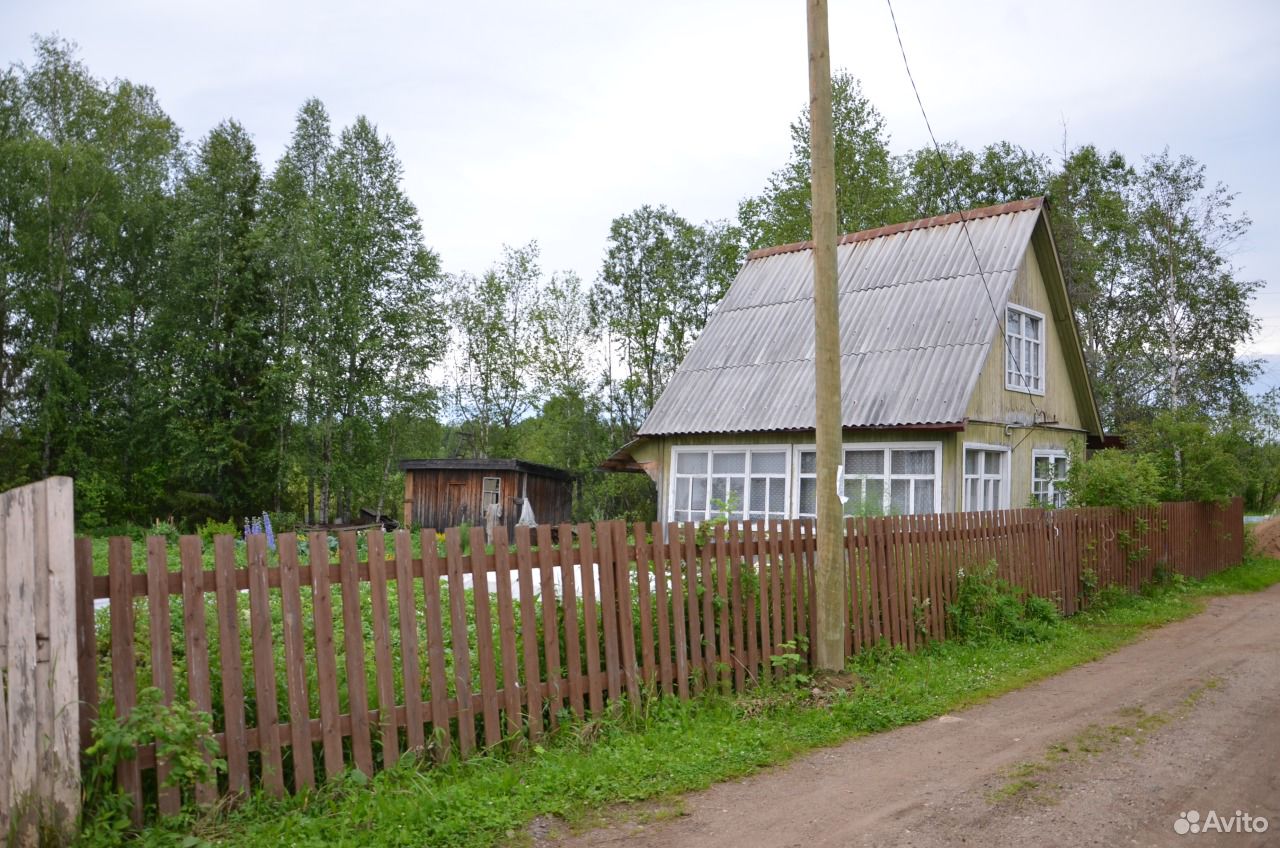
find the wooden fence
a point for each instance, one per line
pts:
(39, 690)
(350, 664)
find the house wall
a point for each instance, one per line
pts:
(991, 401)
(1022, 442)
(439, 499)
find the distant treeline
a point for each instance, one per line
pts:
(191, 335)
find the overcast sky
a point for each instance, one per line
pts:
(544, 120)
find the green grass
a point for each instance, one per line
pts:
(673, 747)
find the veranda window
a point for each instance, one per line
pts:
(737, 482)
(878, 480)
(1048, 472)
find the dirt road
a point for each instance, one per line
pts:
(1110, 753)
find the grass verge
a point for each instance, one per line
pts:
(673, 747)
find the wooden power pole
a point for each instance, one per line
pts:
(828, 651)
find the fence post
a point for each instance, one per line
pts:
(39, 702)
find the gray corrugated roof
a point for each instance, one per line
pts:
(915, 329)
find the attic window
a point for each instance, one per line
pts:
(1024, 350)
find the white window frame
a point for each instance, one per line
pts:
(888, 447)
(1005, 473)
(1039, 373)
(709, 451)
(1052, 454)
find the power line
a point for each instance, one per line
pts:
(964, 225)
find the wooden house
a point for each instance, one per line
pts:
(442, 493)
(964, 385)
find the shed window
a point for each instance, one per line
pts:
(878, 480)
(491, 491)
(737, 482)
(1024, 349)
(1048, 471)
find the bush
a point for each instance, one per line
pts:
(1114, 478)
(987, 607)
(212, 528)
(1194, 461)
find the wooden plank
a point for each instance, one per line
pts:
(86, 648)
(459, 643)
(224, 560)
(550, 621)
(43, 717)
(169, 799)
(432, 569)
(697, 668)
(679, 633)
(609, 609)
(626, 619)
(63, 749)
(788, 582)
(295, 663)
(528, 631)
(722, 661)
(738, 652)
(769, 608)
(751, 600)
(6, 755)
(512, 692)
(595, 680)
(661, 594)
(484, 638)
(264, 671)
(410, 665)
(325, 652)
(194, 630)
(572, 635)
(353, 648)
(21, 649)
(644, 599)
(384, 673)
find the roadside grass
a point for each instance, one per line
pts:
(668, 747)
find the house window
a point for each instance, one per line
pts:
(1024, 350)
(738, 482)
(984, 476)
(878, 480)
(491, 491)
(1048, 471)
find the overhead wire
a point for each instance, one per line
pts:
(1037, 413)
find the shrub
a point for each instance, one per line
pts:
(1114, 478)
(988, 607)
(1194, 461)
(213, 528)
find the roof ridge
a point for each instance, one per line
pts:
(906, 226)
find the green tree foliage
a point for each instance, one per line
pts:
(869, 190)
(1195, 461)
(661, 278)
(937, 182)
(1114, 478)
(86, 171)
(218, 329)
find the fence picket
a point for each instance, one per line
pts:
(326, 652)
(236, 735)
(264, 671)
(661, 575)
(529, 632)
(512, 692)
(550, 622)
(679, 633)
(295, 664)
(484, 637)
(626, 618)
(644, 600)
(590, 623)
(572, 643)
(353, 647)
(410, 667)
(194, 629)
(459, 644)
(169, 799)
(432, 570)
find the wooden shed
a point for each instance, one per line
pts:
(441, 493)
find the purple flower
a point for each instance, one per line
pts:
(266, 524)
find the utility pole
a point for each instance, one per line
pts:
(829, 579)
